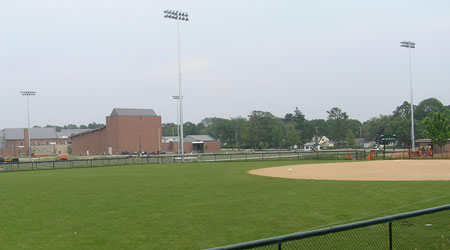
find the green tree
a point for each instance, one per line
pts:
(190, 128)
(259, 130)
(337, 124)
(401, 127)
(310, 129)
(403, 110)
(375, 127)
(350, 139)
(292, 135)
(238, 124)
(70, 126)
(427, 107)
(95, 125)
(337, 114)
(438, 129)
(169, 129)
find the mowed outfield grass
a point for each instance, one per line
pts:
(187, 206)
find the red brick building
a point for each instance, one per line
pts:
(192, 143)
(126, 130)
(14, 141)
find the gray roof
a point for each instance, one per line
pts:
(88, 131)
(36, 133)
(13, 133)
(65, 133)
(133, 112)
(193, 138)
(43, 133)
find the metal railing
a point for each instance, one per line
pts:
(158, 159)
(423, 229)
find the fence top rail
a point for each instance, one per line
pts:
(335, 229)
(196, 155)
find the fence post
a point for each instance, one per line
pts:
(91, 163)
(215, 157)
(279, 246)
(262, 156)
(53, 165)
(390, 235)
(317, 155)
(298, 155)
(230, 157)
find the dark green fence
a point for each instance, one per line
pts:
(423, 229)
(157, 159)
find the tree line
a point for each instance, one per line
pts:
(92, 125)
(261, 129)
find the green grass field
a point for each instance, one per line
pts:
(187, 206)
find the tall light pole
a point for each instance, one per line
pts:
(410, 45)
(28, 94)
(178, 122)
(179, 16)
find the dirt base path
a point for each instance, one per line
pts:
(392, 170)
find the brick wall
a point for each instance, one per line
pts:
(93, 143)
(211, 146)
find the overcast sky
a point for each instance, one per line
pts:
(86, 57)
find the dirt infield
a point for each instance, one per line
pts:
(392, 170)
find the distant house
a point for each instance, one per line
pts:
(310, 146)
(321, 142)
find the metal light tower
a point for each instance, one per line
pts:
(178, 122)
(28, 94)
(410, 45)
(179, 16)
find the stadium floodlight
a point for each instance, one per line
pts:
(28, 94)
(410, 45)
(179, 16)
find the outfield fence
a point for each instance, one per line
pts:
(423, 229)
(158, 159)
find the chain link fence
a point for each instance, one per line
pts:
(158, 159)
(423, 229)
